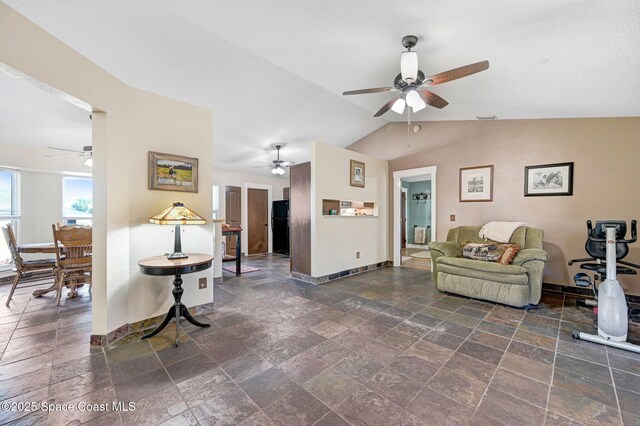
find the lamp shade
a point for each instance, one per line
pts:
(398, 106)
(177, 214)
(413, 98)
(409, 66)
(419, 105)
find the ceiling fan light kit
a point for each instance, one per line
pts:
(278, 171)
(414, 100)
(413, 84)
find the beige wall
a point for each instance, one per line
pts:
(40, 206)
(606, 153)
(335, 240)
(132, 122)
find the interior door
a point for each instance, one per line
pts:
(403, 218)
(232, 215)
(258, 217)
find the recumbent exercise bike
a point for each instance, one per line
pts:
(607, 247)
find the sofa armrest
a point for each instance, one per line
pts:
(528, 255)
(533, 260)
(446, 248)
(439, 249)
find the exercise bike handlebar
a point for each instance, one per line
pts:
(634, 234)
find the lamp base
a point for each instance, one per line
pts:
(177, 255)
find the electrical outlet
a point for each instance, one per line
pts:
(357, 255)
(202, 283)
(452, 217)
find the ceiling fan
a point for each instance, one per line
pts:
(86, 152)
(413, 84)
(278, 165)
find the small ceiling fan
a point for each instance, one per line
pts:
(87, 151)
(413, 84)
(278, 165)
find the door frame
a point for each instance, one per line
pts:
(431, 171)
(245, 214)
(406, 212)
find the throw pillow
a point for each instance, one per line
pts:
(497, 252)
(509, 254)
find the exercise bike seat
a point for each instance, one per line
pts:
(596, 247)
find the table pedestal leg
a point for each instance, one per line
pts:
(176, 311)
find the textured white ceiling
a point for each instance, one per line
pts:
(273, 72)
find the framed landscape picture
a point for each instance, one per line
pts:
(357, 173)
(548, 179)
(172, 172)
(476, 184)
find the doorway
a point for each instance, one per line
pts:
(258, 226)
(415, 222)
(233, 204)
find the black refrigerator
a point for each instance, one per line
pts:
(280, 226)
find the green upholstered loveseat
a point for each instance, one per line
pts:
(518, 284)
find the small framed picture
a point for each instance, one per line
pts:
(357, 173)
(548, 179)
(476, 184)
(172, 172)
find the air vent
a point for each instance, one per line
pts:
(486, 117)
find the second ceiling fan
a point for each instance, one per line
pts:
(278, 166)
(413, 84)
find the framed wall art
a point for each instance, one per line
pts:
(357, 173)
(476, 184)
(173, 172)
(548, 179)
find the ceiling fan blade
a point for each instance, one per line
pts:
(63, 155)
(456, 73)
(259, 167)
(387, 106)
(365, 91)
(432, 99)
(64, 149)
(288, 163)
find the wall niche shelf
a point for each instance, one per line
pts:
(349, 208)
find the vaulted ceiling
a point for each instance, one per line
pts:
(274, 72)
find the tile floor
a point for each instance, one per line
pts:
(381, 348)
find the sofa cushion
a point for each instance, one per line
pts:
(512, 295)
(491, 271)
(525, 237)
(519, 236)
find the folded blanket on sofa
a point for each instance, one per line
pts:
(499, 231)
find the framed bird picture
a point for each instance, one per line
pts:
(548, 179)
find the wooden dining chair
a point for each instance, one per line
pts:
(73, 257)
(26, 270)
